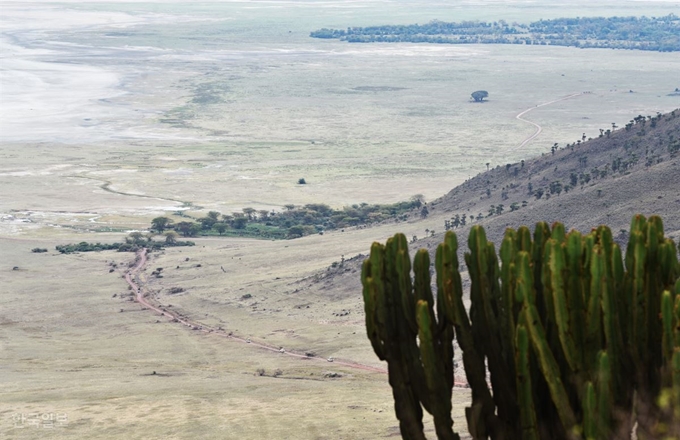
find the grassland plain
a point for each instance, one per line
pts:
(219, 106)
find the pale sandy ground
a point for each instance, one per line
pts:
(48, 95)
(74, 117)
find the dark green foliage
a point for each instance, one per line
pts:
(294, 221)
(188, 229)
(673, 148)
(296, 231)
(120, 247)
(38, 250)
(572, 336)
(160, 224)
(642, 33)
(239, 223)
(84, 246)
(479, 96)
(556, 187)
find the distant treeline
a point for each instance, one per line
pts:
(641, 33)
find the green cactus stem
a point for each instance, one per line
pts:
(562, 336)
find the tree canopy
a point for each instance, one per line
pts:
(479, 95)
(641, 33)
(160, 224)
(292, 222)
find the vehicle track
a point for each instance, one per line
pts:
(138, 288)
(539, 129)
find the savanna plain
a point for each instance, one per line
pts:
(115, 113)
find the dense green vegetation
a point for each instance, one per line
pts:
(293, 222)
(132, 243)
(564, 338)
(642, 33)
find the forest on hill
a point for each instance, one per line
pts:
(641, 33)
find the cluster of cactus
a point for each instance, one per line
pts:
(562, 338)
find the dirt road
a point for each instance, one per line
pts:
(138, 288)
(539, 129)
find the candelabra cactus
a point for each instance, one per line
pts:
(561, 340)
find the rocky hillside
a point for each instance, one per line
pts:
(632, 169)
(626, 170)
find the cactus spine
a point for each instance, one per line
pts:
(566, 331)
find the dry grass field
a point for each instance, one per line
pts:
(71, 347)
(115, 113)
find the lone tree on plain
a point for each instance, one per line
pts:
(479, 95)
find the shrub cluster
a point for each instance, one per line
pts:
(292, 222)
(128, 246)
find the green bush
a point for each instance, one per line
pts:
(120, 247)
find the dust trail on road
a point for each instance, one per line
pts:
(137, 287)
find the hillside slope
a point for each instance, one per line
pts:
(634, 169)
(631, 170)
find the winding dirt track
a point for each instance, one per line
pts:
(134, 282)
(539, 129)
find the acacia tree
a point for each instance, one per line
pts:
(250, 213)
(479, 95)
(160, 224)
(239, 223)
(220, 228)
(135, 237)
(188, 229)
(206, 222)
(171, 237)
(296, 231)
